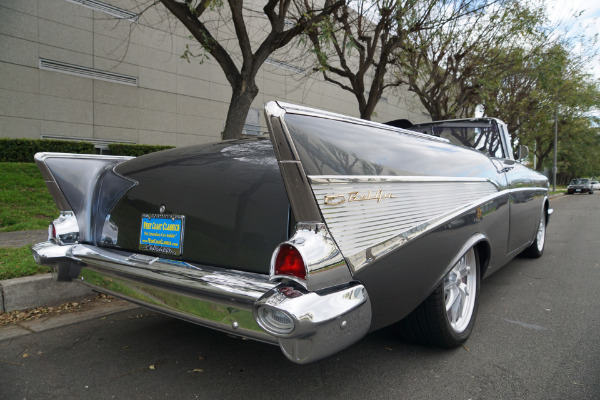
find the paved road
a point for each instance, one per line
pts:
(537, 337)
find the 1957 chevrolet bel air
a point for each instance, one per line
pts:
(331, 229)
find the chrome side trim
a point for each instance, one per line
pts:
(323, 179)
(324, 262)
(363, 258)
(528, 189)
(370, 216)
(44, 156)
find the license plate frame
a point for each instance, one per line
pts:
(162, 233)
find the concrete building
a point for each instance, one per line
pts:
(96, 71)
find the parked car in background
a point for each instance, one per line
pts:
(580, 185)
(332, 228)
(595, 185)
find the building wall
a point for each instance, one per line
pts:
(174, 102)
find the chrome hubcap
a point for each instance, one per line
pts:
(541, 233)
(460, 287)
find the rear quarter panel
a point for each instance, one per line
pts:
(399, 205)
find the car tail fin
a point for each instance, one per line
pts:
(364, 180)
(84, 184)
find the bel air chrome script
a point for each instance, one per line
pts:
(336, 200)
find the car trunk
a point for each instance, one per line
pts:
(228, 199)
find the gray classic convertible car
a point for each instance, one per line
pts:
(333, 228)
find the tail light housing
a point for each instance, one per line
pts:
(289, 262)
(64, 229)
(52, 232)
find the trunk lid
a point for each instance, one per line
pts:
(228, 198)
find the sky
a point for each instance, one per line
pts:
(588, 22)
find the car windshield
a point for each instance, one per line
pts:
(579, 181)
(483, 135)
(485, 139)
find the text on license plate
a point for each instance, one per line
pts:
(162, 233)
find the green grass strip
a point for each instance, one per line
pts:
(25, 203)
(18, 262)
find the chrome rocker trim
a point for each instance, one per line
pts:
(325, 321)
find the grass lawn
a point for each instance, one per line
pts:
(18, 262)
(25, 203)
(559, 189)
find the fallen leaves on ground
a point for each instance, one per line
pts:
(13, 317)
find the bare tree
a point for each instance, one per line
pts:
(195, 16)
(447, 66)
(359, 43)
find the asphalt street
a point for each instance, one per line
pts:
(537, 336)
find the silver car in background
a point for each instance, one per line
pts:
(580, 185)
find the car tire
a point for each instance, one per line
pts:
(446, 318)
(536, 249)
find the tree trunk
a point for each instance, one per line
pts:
(240, 103)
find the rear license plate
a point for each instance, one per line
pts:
(578, 190)
(162, 233)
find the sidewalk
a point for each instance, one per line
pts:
(23, 238)
(37, 290)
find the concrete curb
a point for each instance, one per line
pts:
(92, 310)
(38, 291)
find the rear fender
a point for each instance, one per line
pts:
(364, 181)
(84, 184)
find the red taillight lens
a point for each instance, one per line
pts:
(289, 262)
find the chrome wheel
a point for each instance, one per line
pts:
(536, 249)
(446, 318)
(541, 233)
(460, 290)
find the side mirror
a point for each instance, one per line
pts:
(522, 152)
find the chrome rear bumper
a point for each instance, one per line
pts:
(325, 322)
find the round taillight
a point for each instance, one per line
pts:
(289, 262)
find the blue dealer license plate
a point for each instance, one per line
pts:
(162, 233)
